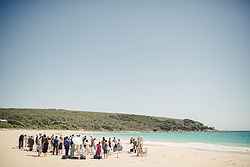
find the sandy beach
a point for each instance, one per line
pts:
(169, 154)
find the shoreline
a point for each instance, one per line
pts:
(237, 148)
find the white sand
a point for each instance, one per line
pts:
(168, 154)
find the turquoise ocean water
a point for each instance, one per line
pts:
(228, 138)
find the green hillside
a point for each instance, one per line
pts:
(65, 119)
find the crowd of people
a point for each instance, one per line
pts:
(73, 146)
(137, 146)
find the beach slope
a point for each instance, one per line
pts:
(158, 155)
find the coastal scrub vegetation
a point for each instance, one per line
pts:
(96, 121)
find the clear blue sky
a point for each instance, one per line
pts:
(182, 59)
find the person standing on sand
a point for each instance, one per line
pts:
(25, 142)
(39, 145)
(30, 143)
(20, 144)
(50, 149)
(134, 145)
(114, 142)
(103, 141)
(66, 145)
(110, 144)
(95, 143)
(86, 149)
(98, 151)
(60, 144)
(51, 142)
(139, 147)
(105, 149)
(92, 145)
(45, 145)
(72, 150)
(81, 152)
(55, 145)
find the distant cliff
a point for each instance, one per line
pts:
(97, 121)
